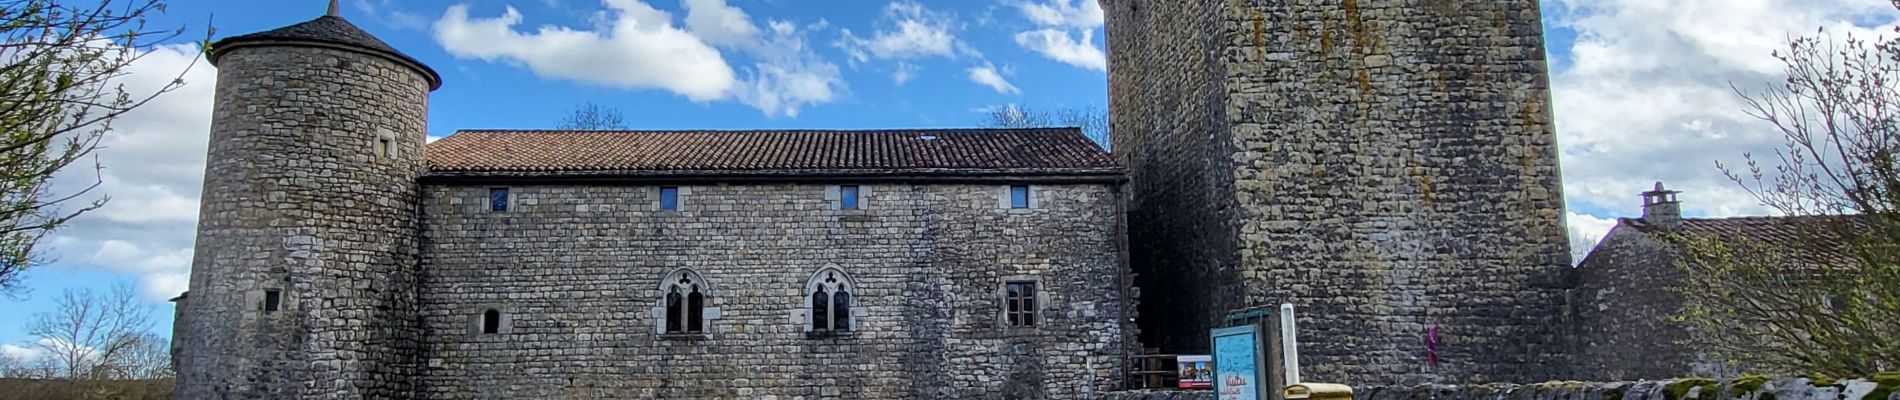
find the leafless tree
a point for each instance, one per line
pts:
(1824, 302)
(1092, 120)
(90, 335)
(59, 94)
(14, 367)
(11, 366)
(150, 358)
(594, 117)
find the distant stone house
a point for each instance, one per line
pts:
(1625, 291)
(339, 255)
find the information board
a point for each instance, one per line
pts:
(1239, 360)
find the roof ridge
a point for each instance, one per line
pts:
(976, 150)
(795, 130)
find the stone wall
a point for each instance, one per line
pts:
(577, 271)
(1747, 388)
(1167, 95)
(297, 199)
(1622, 305)
(1387, 166)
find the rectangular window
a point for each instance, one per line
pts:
(272, 300)
(1020, 303)
(382, 147)
(848, 197)
(669, 199)
(1019, 196)
(498, 199)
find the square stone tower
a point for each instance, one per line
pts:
(1388, 166)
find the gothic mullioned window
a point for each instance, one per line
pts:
(829, 296)
(683, 299)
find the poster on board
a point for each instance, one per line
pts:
(1238, 362)
(1196, 371)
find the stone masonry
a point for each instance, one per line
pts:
(1883, 387)
(577, 269)
(299, 201)
(335, 260)
(1389, 167)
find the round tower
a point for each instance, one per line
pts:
(304, 279)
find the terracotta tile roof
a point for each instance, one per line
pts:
(1041, 151)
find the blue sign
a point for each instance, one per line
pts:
(1238, 361)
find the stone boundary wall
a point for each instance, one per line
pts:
(1886, 387)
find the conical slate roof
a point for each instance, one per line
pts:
(325, 31)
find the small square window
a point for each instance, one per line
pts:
(491, 321)
(1019, 196)
(382, 147)
(669, 198)
(273, 299)
(848, 197)
(1020, 303)
(498, 199)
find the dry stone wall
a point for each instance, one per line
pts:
(1387, 166)
(577, 271)
(297, 199)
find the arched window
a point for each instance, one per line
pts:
(491, 321)
(830, 293)
(683, 303)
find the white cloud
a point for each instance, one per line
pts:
(1060, 24)
(1064, 13)
(904, 72)
(1060, 46)
(988, 76)
(153, 169)
(1646, 95)
(638, 47)
(909, 31)
(21, 353)
(718, 23)
(1585, 231)
(905, 33)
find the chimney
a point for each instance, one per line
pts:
(1661, 209)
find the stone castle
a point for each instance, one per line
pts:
(1387, 166)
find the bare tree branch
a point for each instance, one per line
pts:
(1822, 302)
(1092, 120)
(594, 117)
(60, 67)
(96, 335)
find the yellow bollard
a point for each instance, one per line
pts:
(1317, 391)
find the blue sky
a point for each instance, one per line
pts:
(1640, 89)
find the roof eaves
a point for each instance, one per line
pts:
(1102, 174)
